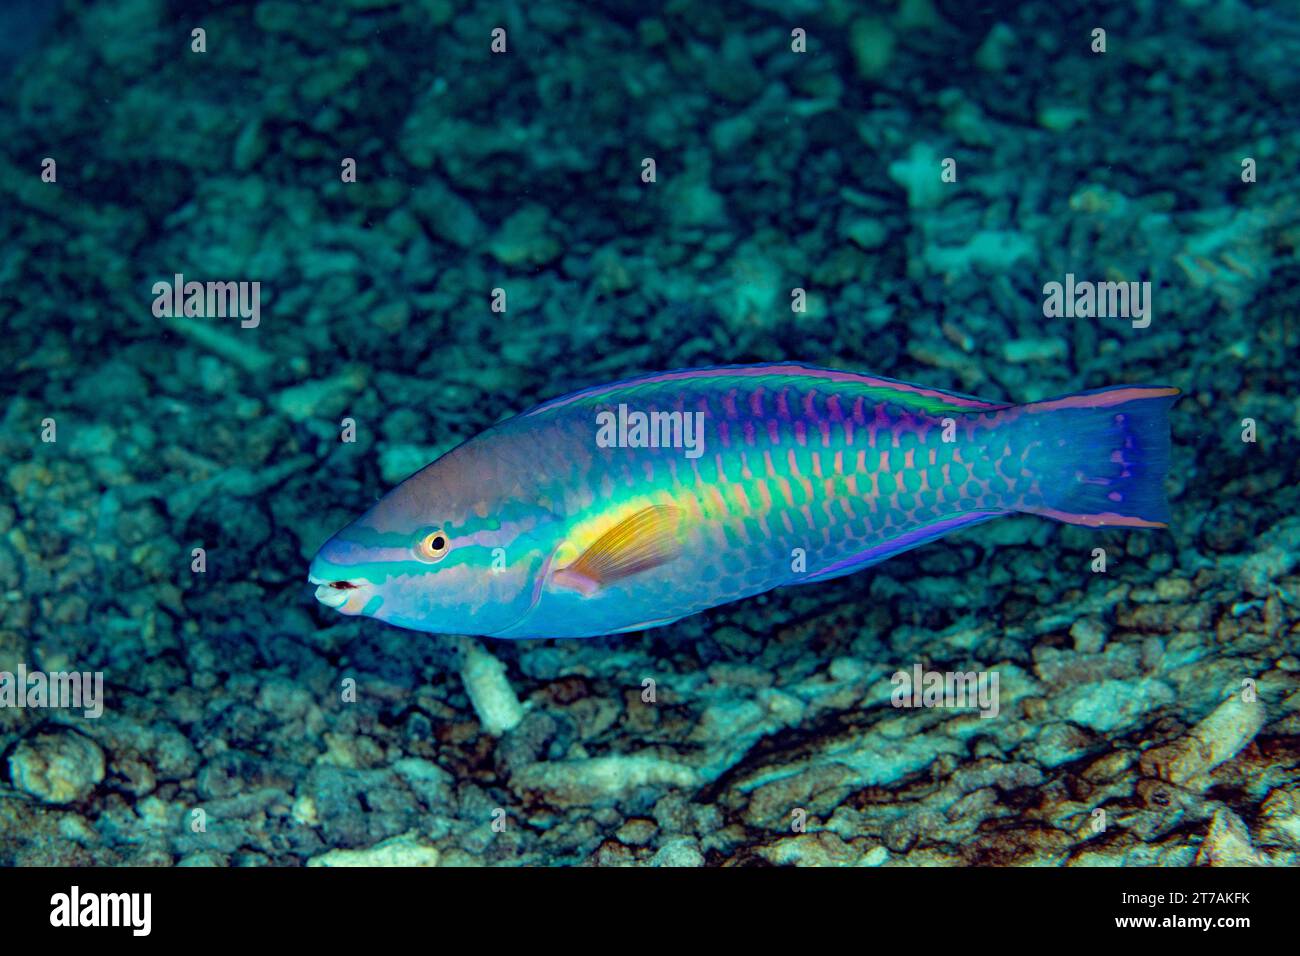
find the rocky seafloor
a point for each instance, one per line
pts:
(1149, 714)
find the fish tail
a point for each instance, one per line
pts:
(1104, 456)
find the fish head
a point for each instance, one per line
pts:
(457, 548)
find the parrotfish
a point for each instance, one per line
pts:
(632, 505)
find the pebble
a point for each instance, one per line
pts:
(322, 397)
(1089, 635)
(598, 779)
(1280, 817)
(684, 852)
(919, 174)
(994, 54)
(1216, 739)
(1227, 843)
(489, 690)
(637, 831)
(60, 767)
(1021, 351)
(404, 850)
(872, 43)
(525, 239)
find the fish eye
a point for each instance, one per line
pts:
(434, 546)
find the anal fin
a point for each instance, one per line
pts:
(904, 542)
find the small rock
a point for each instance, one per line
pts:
(1089, 635)
(1058, 119)
(587, 780)
(920, 176)
(994, 250)
(448, 216)
(692, 202)
(322, 397)
(1020, 351)
(876, 856)
(1279, 553)
(810, 849)
(872, 43)
(1173, 589)
(1215, 740)
(60, 767)
(864, 232)
(994, 53)
(1110, 705)
(524, 239)
(392, 317)
(93, 440)
(1228, 843)
(683, 852)
(1280, 818)
(489, 691)
(250, 145)
(637, 831)
(404, 850)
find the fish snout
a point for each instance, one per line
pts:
(335, 587)
(344, 596)
(334, 594)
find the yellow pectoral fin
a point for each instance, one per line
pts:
(639, 542)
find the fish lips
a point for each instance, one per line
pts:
(339, 593)
(331, 596)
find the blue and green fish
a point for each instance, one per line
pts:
(631, 505)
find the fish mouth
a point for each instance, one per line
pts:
(334, 593)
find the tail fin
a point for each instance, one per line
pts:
(1105, 456)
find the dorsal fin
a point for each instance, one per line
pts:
(775, 374)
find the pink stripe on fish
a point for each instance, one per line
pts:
(1103, 519)
(807, 371)
(1103, 399)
